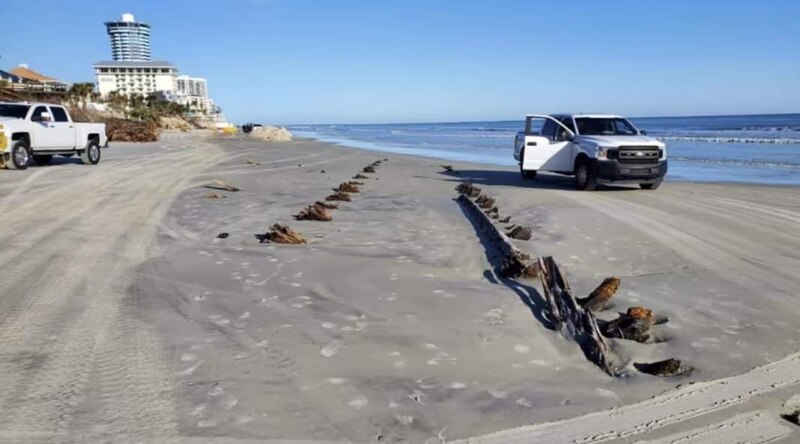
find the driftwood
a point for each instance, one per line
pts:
(220, 185)
(347, 187)
(329, 206)
(514, 263)
(360, 176)
(634, 324)
(339, 196)
(667, 367)
(355, 182)
(468, 189)
(314, 212)
(216, 196)
(505, 220)
(282, 234)
(484, 201)
(448, 168)
(252, 162)
(222, 235)
(570, 319)
(521, 233)
(368, 169)
(598, 299)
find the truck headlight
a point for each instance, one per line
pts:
(601, 153)
(3, 139)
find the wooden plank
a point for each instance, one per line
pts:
(514, 261)
(568, 317)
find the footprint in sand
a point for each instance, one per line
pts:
(457, 386)
(521, 349)
(498, 394)
(188, 357)
(332, 348)
(336, 381)
(358, 403)
(524, 402)
(328, 325)
(244, 419)
(228, 402)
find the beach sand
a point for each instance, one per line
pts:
(389, 325)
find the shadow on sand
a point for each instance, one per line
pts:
(526, 293)
(544, 181)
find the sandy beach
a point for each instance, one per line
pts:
(124, 314)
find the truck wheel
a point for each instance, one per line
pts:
(584, 177)
(42, 159)
(91, 155)
(526, 174)
(20, 157)
(650, 186)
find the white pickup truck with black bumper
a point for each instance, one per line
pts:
(595, 148)
(38, 131)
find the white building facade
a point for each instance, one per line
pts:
(130, 78)
(193, 92)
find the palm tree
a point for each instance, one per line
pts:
(80, 92)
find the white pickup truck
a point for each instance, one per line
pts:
(595, 148)
(39, 131)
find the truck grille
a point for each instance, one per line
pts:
(638, 154)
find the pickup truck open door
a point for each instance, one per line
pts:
(547, 150)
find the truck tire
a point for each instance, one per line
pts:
(526, 174)
(650, 186)
(585, 178)
(91, 155)
(20, 156)
(42, 159)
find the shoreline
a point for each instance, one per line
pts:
(399, 152)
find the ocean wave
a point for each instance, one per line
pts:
(509, 135)
(732, 139)
(737, 162)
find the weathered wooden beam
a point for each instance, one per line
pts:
(515, 263)
(573, 321)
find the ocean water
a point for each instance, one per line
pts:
(762, 149)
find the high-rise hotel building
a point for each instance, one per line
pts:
(130, 40)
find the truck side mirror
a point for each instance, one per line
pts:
(570, 136)
(44, 116)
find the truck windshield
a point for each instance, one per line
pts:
(604, 126)
(13, 110)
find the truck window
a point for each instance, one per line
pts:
(59, 115)
(533, 126)
(549, 129)
(14, 110)
(37, 114)
(561, 133)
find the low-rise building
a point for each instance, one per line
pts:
(38, 82)
(143, 78)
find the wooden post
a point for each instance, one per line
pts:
(573, 321)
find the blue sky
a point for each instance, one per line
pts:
(341, 61)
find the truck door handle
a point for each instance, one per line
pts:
(531, 143)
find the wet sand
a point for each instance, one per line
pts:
(390, 325)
